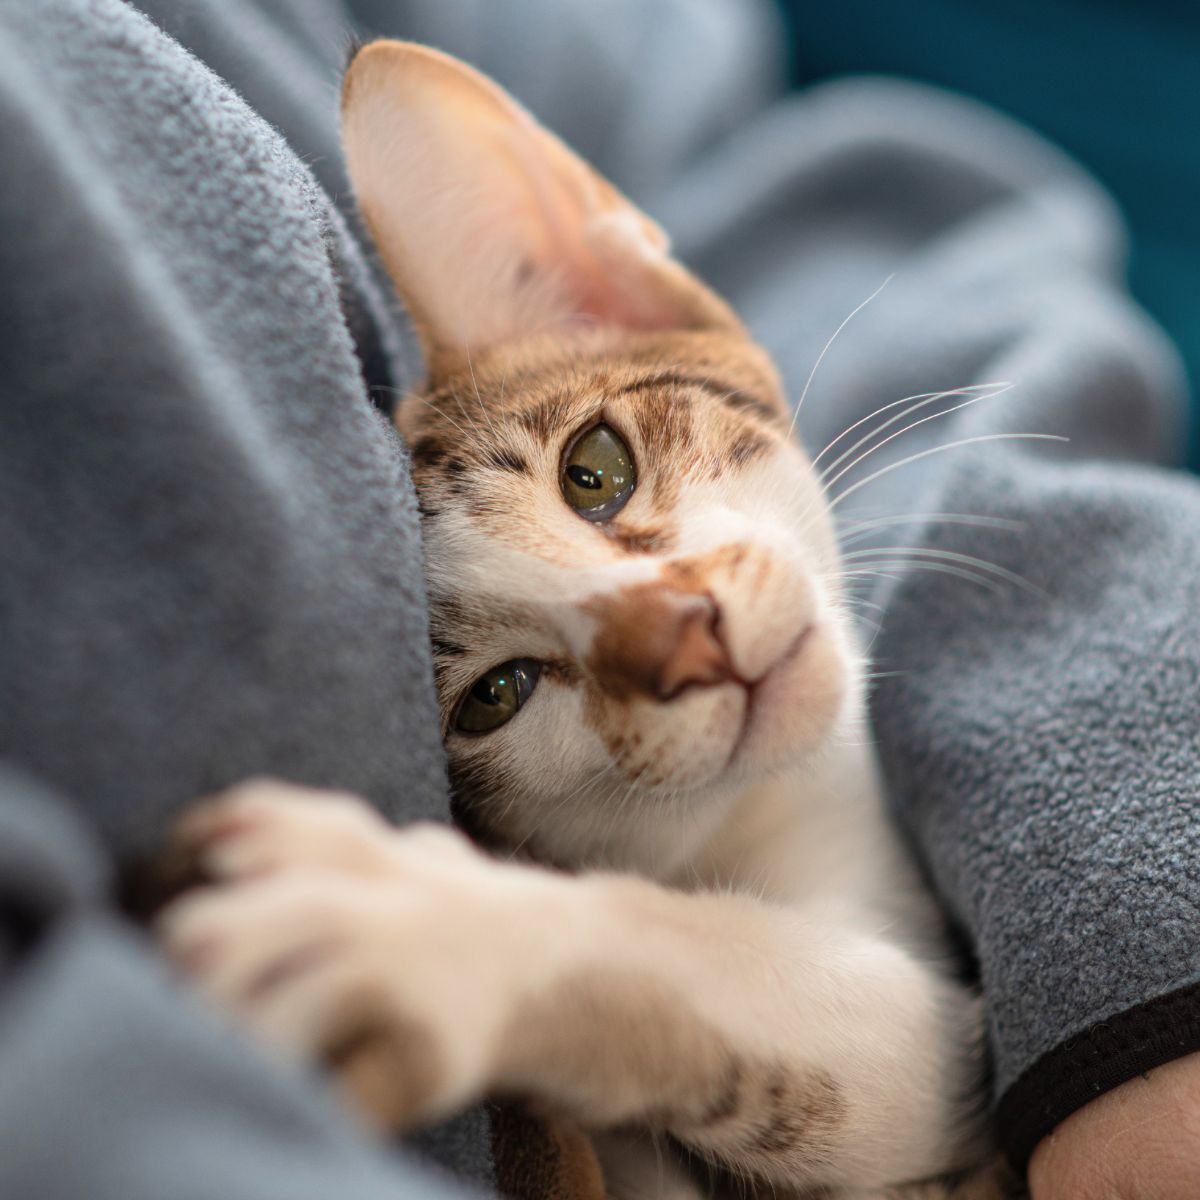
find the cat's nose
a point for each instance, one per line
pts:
(657, 641)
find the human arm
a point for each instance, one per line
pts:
(1136, 1142)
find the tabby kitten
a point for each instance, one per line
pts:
(647, 676)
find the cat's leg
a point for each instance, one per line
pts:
(786, 1045)
(781, 1044)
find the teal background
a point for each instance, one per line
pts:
(1116, 85)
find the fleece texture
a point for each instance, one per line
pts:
(211, 568)
(212, 564)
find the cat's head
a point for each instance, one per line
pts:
(632, 571)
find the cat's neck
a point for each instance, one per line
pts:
(818, 836)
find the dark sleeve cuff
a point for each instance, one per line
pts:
(1096, 1061)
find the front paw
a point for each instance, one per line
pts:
(264, 826)
(402, 977)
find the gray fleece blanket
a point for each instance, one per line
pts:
(211, 563)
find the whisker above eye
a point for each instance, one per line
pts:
(440, 410)
(988, 390)
(478, 397)
(825, 349)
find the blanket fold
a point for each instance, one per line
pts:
(212, 560)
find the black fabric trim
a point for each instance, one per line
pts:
(1096, 1061)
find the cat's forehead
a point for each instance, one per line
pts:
(487, 441)
(540, 387)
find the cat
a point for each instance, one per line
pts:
(649, 682)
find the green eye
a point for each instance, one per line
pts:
(496, 696)
(598, 476)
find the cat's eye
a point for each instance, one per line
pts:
(598, 474)
(496, 696)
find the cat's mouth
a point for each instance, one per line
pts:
(759, 693)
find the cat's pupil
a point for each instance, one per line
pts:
(584, 478)
(489, 692)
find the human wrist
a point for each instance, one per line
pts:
(1141, 1139)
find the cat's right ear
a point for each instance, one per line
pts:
(491, 228)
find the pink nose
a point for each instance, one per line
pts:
(657, 640)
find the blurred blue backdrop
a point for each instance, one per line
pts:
(1116, 84)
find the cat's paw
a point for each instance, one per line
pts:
(402, 977)
(264, 826)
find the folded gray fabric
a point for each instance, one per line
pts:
(211, 569)
(212, 564)
(118, 1086)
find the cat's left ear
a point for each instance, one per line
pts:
(491, 228)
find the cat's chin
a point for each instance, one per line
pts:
(793, 709)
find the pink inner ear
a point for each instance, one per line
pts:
(490, 227)
(607, 255)
(609, 307)
(607, 302)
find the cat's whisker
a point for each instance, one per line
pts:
(875, 626)
(395, 391)
(474, 433)
(877, 567)
(934, 568)
(863, 602)
(828, 480)
(405, 394)
(987, 391)
(919, 396)
(874, 574)
(877, 631)
(467, 412)
(960, 442)
(825, 350)
(478, 397)
(861, 529)
(931, 552)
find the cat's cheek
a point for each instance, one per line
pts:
(684, 744)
